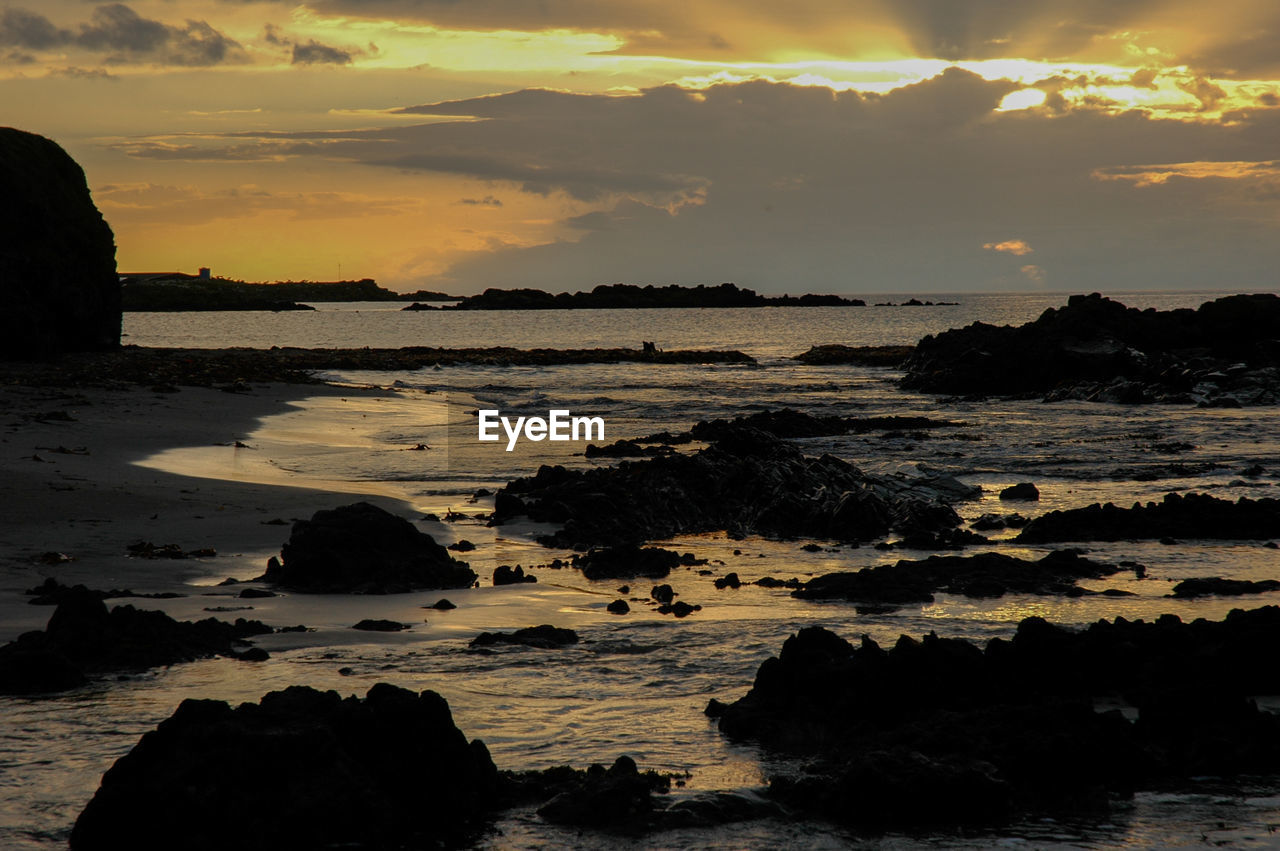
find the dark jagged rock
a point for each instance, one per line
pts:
(625, 449)
(462, 546)
(679, 608)
(1177, 516)
(631, 562)
(545, 637)
(729, 580)
(1013, 728)
(505, 574)
(791, 423)
(991, 522)
(176, 291)
(662, 593)
(146, 549)
(1224, 353)
(251, 593)
(300, 769)
(890, 356)
(748, 481)
(380, 625)
(629, 296)
(442, 605)
(57, 255)
(1025, 491)
(1205, 586)
(984, 575)
(51, 592)
(617, 798)
(362, 549)
(83, 638)
(618, 607)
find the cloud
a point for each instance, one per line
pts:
(22, 28)
(117, 29)
(486, 201)
(151, 203)
(315, 53)
(1016, 247)
(1034, 274)
(784, 187)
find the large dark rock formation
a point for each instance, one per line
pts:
(300, 769)
(612, 296)
(362, 549)
(1192, 515)
(83, 638)
(903, 735)
(747, 482)
(1226, 352)
(58, 281)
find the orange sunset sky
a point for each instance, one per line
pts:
(857, 146)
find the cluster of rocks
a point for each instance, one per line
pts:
(630, 296)
(1189, 515)
(51, 592)
(544, 637)
(1225, 353)
(363, 549)
(747, 481)
(1210, 586)
(942, 731)
(82, 638)
(505, 574)
(987, 575)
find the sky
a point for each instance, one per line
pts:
(848, 146)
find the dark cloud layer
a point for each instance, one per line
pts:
(116, 29)
(315, 53)
(785, 187)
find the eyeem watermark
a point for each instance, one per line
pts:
(560, 424)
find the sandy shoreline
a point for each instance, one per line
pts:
(69, 485)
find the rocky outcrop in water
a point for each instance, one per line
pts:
(300, 769)
(747, 482)
(544, 637)
(1207, 586)
(1189, 515)
(82, 638)
(363, 549)
(901, 735)
(57, 254)
(1227, 352)
(625, 562)
(986, 575)
(890, 356)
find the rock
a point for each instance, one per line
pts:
(1011, 728)
(1222, 354)
(630, 296)
(747, 482)
(300, 769)
(631, 562)
(57, 255)
(51, 592)
(545, 637)
(617, 798)
(1021, 491)
(253, 654)
(985, 575)
(890, 356)
(82, 638)
(505, 574)
(362, 549)
(729, 580)
(1213, 585)
(1178, 516)
(255, 592)
(618, 607)
(378, 625)
(662, 593)
(679, 608)
(442, 604)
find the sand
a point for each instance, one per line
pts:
(69, 484)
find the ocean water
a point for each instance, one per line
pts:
(637, 684)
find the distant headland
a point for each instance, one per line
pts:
(622, 296)
(177, 291)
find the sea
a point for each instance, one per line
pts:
(638, 684)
